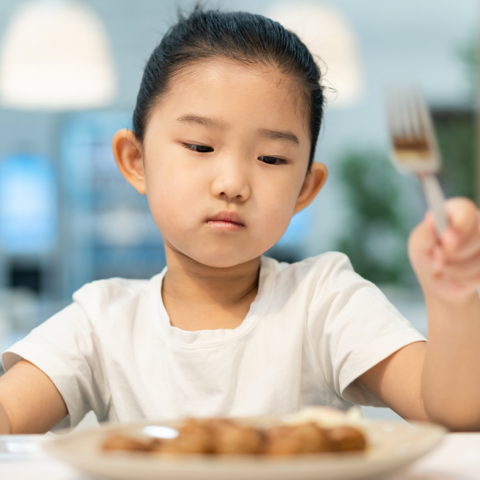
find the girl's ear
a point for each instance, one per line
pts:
(311, 186)
(128, 154)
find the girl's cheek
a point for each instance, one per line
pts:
(172, 204)
(166, 184)
(278, 212)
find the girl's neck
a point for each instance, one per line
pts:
(198, 297)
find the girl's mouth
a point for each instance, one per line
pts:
(226, 220)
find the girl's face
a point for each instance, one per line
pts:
(224, 160)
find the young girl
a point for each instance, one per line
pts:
(223, 142)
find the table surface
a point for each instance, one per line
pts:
(456, 458)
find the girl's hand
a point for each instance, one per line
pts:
(448, 268)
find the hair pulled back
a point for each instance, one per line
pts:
(241, 36)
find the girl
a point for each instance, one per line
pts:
(223, 142)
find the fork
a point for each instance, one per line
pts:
(414, 146)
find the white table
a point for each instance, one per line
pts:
(457, 458)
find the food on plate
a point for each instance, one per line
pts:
(128, 444)
(345, 439)
(295, 439)
(327, 417)
(221, 436)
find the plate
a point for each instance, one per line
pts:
(391, 446)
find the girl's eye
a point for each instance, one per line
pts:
(198, 148)
(272, 160)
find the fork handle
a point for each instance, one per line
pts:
(435, 201)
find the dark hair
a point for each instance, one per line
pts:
(244, 37)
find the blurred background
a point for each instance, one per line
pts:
(69, 75)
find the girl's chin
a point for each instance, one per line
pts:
(215, 256)
(223, 261)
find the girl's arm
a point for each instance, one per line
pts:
(440, 381)
(29, 401)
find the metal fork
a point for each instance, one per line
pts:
(414, 146)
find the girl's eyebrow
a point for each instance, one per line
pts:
(286, 136)
(205, 121)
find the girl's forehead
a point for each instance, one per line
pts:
(232, 90)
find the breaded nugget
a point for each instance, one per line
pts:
(345, 439)
(295, 439)
(232, 439)
(225, 437)
(120, 442)
(156, 445)
(193, 437)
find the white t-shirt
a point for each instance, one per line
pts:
(314, 327)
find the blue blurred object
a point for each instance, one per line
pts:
(108, 229)
(28, 204)
(299, 228)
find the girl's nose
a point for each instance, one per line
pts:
(231, 180)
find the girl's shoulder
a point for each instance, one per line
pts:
(323, 275)
(323, 266)
(115, 296)
(115, 285)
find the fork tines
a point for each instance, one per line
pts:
(411, 130)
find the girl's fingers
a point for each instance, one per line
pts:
(461, 249)
(462, 237)
(458, 250)
(423, 237)
(466, 270)
(462, 214)
(450, 265)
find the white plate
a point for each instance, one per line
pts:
(392, 445)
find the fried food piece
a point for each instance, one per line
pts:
(295, 439)
(225, 437)
(232, 439)
(193, 437)
(156, 445)
(345, 439)
(120, 442)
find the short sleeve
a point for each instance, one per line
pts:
(66, 348)
(353, 327)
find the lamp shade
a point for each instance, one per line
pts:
(55, 55)
(328, 36)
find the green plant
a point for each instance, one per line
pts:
(376, 237)
(456, 138)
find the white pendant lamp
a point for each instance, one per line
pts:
(55, 55)
(327, 34)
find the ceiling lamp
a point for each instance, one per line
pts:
(55, 55)
(328, 36)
